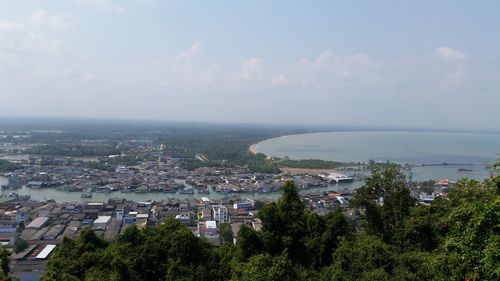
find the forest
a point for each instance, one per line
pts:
(76, 150)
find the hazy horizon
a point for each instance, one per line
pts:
(322, 63)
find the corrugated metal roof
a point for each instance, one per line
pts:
(102, 219)
(46, 252)
(38, 222)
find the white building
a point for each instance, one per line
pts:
(220, 213)
(119, 214)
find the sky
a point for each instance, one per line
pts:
(425, 64)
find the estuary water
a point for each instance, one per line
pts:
(460, 150)
(65, 196)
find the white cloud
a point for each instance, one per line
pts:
(16, 38)
(455, 78)
(105, 5)
(70, 72)
(41, 18)
(363, 85)
(448, 53)
(9, 26)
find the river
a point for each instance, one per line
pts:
(65, 196)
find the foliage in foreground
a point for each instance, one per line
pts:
(452, 239)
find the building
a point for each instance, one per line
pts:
(243, 205)
(54, 232)
(101, 222)
(220, 213)
(426, 198)
(208, 229)
(113, 230)
(45, 252)
(119, 213)
(38, 222)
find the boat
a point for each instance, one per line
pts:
(186, 191)
(464, 170)
(86, 195)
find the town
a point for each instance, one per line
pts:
(145, 184)
(33, 229)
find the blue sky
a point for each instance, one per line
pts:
(387, 63)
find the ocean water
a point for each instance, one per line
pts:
(457, 149)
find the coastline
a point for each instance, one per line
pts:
(481, 162)
(253, 148)
(295, 171)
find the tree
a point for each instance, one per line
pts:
(5, 265)
(386, 202)
(336, 227)
(21, 226)
(20, 245)
(364, 258)
(4, 260)
(425, 227)
(248, 243)
(471, 248)
(284, 224)
(226, 232)
(264, 267)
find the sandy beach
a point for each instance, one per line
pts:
(253, 148)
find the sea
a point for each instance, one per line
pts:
(432, 155)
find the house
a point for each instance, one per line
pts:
(220, 213)
(208, 229)
(426, 198)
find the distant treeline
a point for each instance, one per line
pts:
(222, 147)
(76, 150)
(6, 166)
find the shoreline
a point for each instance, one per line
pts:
(253, 148)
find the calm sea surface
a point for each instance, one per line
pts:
(400, 147)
